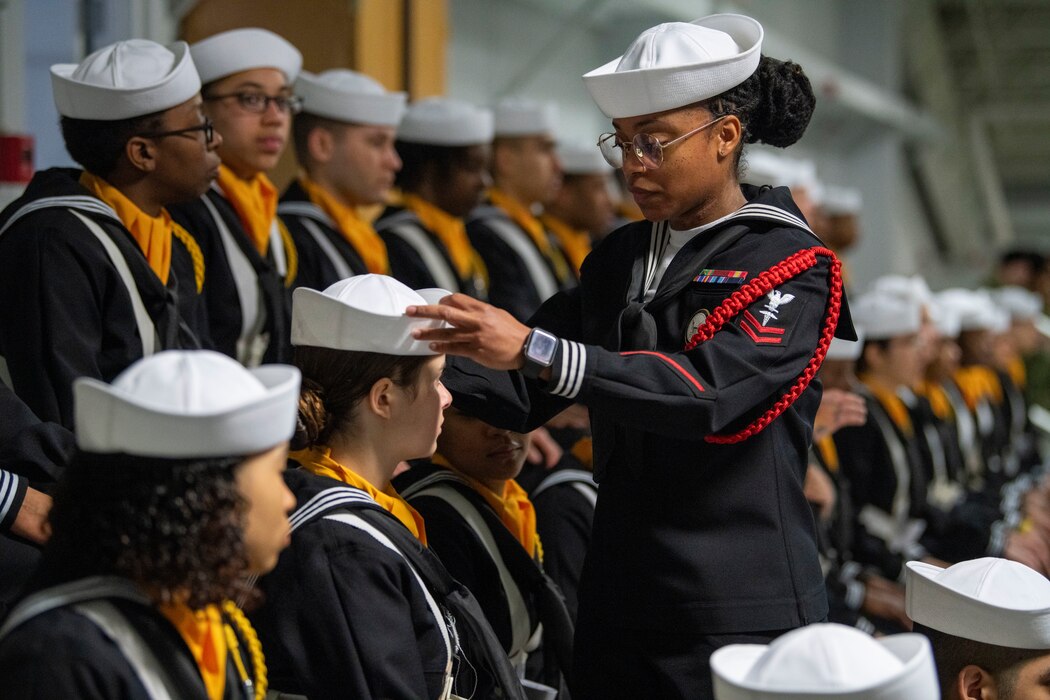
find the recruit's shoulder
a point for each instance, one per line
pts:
(61, 653)
(331, 539)
(31, 220)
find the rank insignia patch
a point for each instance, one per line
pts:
(765, 335)
(721, 277)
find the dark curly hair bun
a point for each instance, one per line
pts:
(313, 421)
(785, 106)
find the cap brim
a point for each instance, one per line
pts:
(109, 420)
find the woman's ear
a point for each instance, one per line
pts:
(381, 398)
(729, 132)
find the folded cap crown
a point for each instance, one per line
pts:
(124, 80)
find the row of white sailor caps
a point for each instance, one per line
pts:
(990, 601)
(895, 303)
(197, 404)
(137, 77)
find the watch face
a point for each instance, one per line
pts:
(542, 347)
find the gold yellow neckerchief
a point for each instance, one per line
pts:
(152, 233)
(255, 202)
(520, 214)
(575, 242)
(893, 404)
(357, 232)
(513, 506)
(977, 383)
(829, 453)
(1016, 369)
(205, 635)
(452, 233)
(938, 398)
(318, 460)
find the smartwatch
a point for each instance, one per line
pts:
(539, 350)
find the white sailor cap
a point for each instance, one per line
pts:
(676, 64)
(348, 96)
(975, 309)
(520, 116)
(946, 318)
(582, 160)
(884, 316)
(827, 661)
(187, 404)
(802, 174)
(124, 80)
(909, 286)
(840, 200)
(1019, 302)
(840, 349)
(446, 121)
(365, 313)
(244, 49)
(764, 167)
(987, 600)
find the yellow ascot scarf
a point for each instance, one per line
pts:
(938, 398)
(205, 634)
(583, 450)
(894, 405)
(452, 233)
(318, 460)
(829, 453)
(1016, 369)
(513, 507)
(255, 202)
(357, 232)
(520, 214)
(575, 242)
(978, 382)
(152, 233)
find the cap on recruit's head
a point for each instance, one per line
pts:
(446, 121)
(582, 160)
(827, 661)
(365, 313)
(989, 600)
(883, 315)
(676, 64)
(520, 116)
(124, 80)
(347, 96)
(187, 404)
(244, 49)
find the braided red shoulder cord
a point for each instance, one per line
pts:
(756, 289)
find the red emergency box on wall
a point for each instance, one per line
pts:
(16, 158)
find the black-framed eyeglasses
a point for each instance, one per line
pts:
(645, 147)
(207, 127)
(259, 102)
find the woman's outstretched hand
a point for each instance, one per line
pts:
(480, 331)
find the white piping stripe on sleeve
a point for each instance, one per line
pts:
(563, 376)
(581, 370)
(574, 365)
(8, 488)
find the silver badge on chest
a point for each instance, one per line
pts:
(698, 319)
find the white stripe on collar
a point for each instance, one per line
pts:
(329, 498)
(83, 202)
(307, 209)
